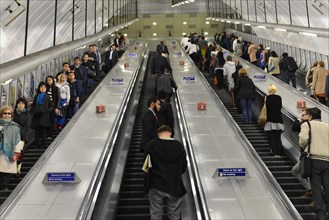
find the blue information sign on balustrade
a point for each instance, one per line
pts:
(61, 177)
(132, 55)
(117, 80)
(231, 172)
(259, 77)
(189, 78)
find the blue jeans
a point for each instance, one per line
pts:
(246, 109)
(60, 120)
(290, 76)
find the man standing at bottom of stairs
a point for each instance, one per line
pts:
(168, 159)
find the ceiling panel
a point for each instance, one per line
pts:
(260, 10)
(90, 17)
(251, 10)
(41, 23)
(318, 12)
(299, 13)
(64, 21)
(270, 11)
(79, 19)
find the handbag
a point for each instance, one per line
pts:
(272, 67)
(305, 158)
(61, 112)
(91, 74)
(263, 115)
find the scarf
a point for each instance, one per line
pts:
(40, 98)
(9, 138)
(20, 111)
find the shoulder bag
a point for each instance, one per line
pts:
(305, 158)
(263, 115)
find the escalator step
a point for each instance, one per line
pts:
(308, 216)
(280, 168)
(139, 187)
(287, 186)
(134, 201)
(138, 209)
(132, 194)
(282, 180)
(301, 200)
(282, 174)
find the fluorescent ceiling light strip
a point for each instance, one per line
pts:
(280, 29)
(247, 24)
(263, 27)
(308, 34)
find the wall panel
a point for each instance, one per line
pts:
(64, 21)
(79, 19)
(90, 17)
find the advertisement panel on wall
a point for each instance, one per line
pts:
(12, 94)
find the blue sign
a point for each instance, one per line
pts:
(61, 177)
(117, 80)
(231, 172)
(132, 54)
(259, 77)
(189, 78)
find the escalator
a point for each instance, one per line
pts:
(280, 167)
(133, 203)
(32, 155)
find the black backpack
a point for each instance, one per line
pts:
(291, 64)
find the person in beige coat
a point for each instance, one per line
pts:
(274, 61)
(252, 50)
(319, 82)
(309, 75)
(319, 150)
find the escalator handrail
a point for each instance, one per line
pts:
(85, 211)
(270, 179)
(196, 185)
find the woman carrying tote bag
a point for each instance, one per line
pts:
(274, 123)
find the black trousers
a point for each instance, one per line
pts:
(40, 137)
(4, 180)
(274, 137)
(52, 123)
(320, 187)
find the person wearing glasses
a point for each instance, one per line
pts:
(9, 138)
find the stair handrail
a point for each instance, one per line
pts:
(195, 180)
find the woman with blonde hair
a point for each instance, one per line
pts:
(274, 123)
(64, 100)
(245, 90)
(9, 139)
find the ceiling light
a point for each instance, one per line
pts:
(280, 29)
(99, 39)
(228, 21)
(222, 20)
(237, 22)
(125, 35)
(263, 27)
(207, 22)
(154, 23)
(217, 19)
(154, 34)
(206, 33)
(109, 33)
(184, 33)
(247, 24)
(184, 23)
(99, 18)
(308, 34)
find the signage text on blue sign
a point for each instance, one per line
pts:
(132, 54)
(61, 177)
(259, 77)
(231, 172)
(189, 78)
(117, 80)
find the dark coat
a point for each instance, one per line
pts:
(55, 96)
(81, 74)
(166, 115)
(111, 63)
(157, 62)
(75, 91)
(149, 128)
(245, 88)
(23, 119)
(42, 120)
(274, 105)
(168, 158)
(163, 48)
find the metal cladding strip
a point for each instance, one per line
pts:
(17, 194)
(90, 198)
(254, 157)
(287, 105)
(17, 68)
(196, 185)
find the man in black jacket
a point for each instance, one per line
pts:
(158, 61)
(168, 159)
(111, 59)
(288, 67)
(165, 115)
(150, 123)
